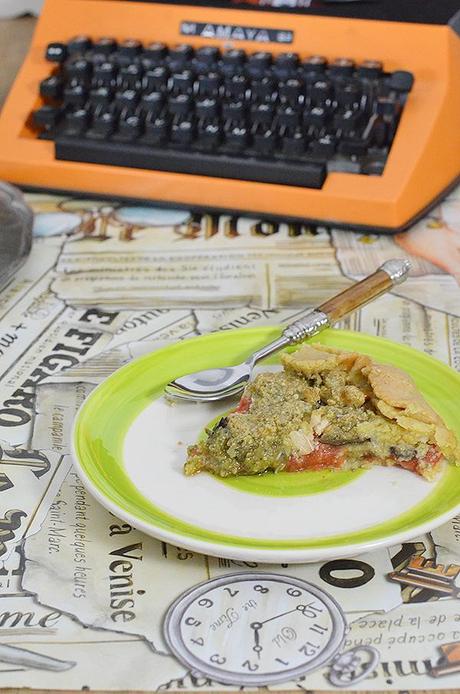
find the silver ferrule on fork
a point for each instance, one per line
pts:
(305, 327)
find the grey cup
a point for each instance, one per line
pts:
(16, 219)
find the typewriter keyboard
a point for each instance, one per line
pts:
(285, 118)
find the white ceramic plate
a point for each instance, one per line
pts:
(130, 445)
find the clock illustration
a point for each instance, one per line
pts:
(255, 628)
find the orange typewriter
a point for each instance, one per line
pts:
(340, 113)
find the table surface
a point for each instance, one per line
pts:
(15, 36)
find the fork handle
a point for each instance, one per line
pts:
(359, 294)
(390, 273)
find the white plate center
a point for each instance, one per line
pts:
(155, 449)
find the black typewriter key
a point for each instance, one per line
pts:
(129, 129)
(180, 56)
(206, 109)
(374, 133)
(237, 138)
(258, 64)
(183, 132)
(209, 135)
(127, 99)
(180, 105)
(103, 126)
(51, 87)
(236, 87)
(288, 117)
(78, 70)
(347, 94)
(348, 120)
(209, 85)
(388, 111)
(387, 106)
(265, 142)
(97, 58)
(182, 82)
(206, 58)
(56, 52)
(152, 103)
(130, 76)
(264, 89)
(155, 52)
(262, 114)
(379, 133)
(232, 61)
(285, 65)
(79, 45)
(368, 89)
(156, 79)
(104, 46)
(104, 74)
(324, 147)
(46, 116)
(233, 111)
(75, 95)
(316, 117)
(370, 69)
(100, 97)
(125, 102)
(156, 130)
(290, 91)
(321, 91)
(76, 122)
(314, 66)
(294, 145)
(391, 130)
(129, 49)
(342, 67)
(401, 81)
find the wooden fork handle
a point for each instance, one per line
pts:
(390, 273)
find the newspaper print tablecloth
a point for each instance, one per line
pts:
(106, 283)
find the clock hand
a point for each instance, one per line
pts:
(257, 626)
(257, 648)
(277, 616)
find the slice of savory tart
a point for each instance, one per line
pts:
(328, 409)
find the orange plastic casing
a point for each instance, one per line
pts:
(424, 160)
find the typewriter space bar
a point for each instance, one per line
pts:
(306, 175)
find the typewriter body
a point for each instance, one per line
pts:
(345, 114)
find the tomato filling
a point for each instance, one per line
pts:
(432, 458)
(326, 456)
(243, 405)
(323, 457)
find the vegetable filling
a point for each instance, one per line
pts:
(327, 410)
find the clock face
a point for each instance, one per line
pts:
(254, 628)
